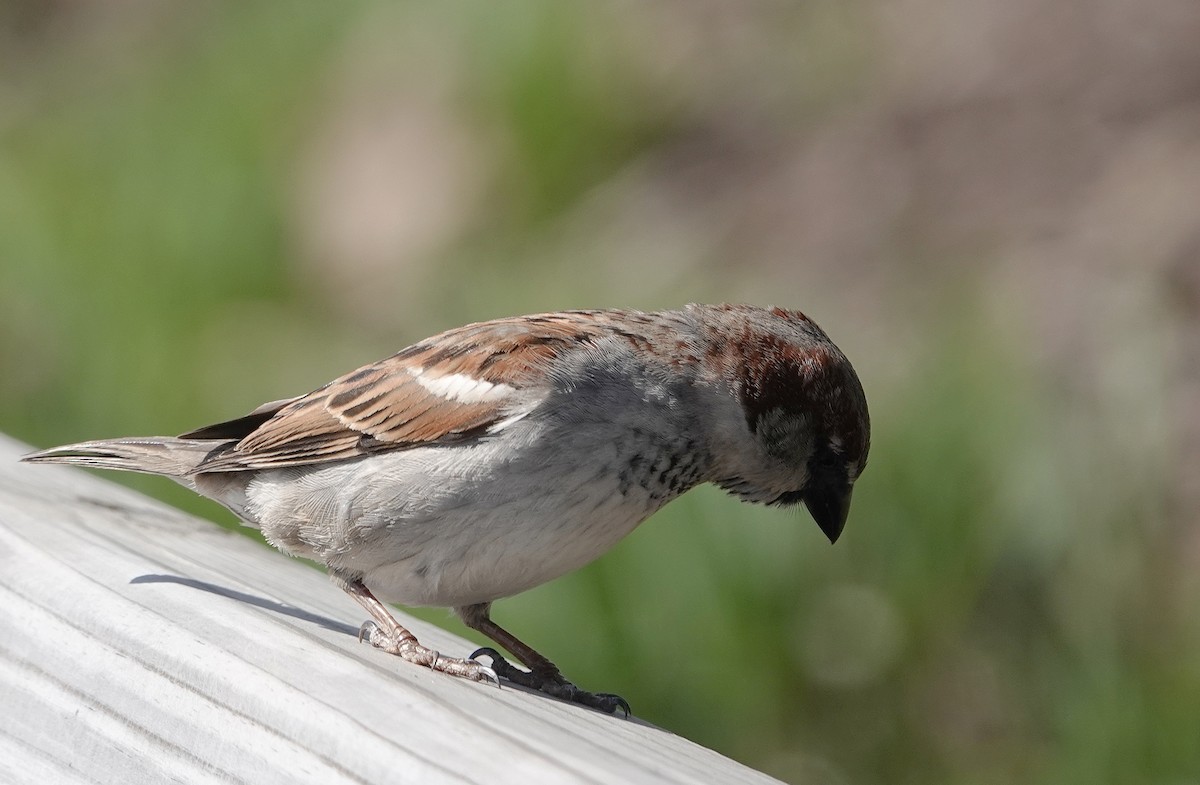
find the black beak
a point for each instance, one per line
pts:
(829, 508)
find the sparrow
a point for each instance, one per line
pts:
(498, 456)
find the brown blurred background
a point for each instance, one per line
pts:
(994, 208)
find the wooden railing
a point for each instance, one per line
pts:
(142, 645)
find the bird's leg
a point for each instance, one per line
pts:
(385, 633)
(542, 675)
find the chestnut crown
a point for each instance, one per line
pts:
(804, 409)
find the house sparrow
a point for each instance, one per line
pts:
(492, 458)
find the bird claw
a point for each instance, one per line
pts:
(408, 649)
(489, 675)
(553, 684)
(365, 630)
(609, 702)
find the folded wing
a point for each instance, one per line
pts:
(455, 386)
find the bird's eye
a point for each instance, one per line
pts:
(827, 459)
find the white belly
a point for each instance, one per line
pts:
(458, 525)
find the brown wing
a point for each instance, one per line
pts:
(242, 426)
(450, 387)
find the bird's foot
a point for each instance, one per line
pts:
(404, 644)
(552, 683)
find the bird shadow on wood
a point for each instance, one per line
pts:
(250, 599)
(327, 623)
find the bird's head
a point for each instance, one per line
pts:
(804, 431)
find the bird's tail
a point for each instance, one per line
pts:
(164, 455)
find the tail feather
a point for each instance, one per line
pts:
(163, 455)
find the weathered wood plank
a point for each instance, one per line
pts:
(139, 644)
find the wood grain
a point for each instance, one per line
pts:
(142, 645)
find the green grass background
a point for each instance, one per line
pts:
(1007, 604)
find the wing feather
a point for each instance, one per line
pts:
(451, 387)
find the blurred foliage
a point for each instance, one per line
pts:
(1010, 602)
